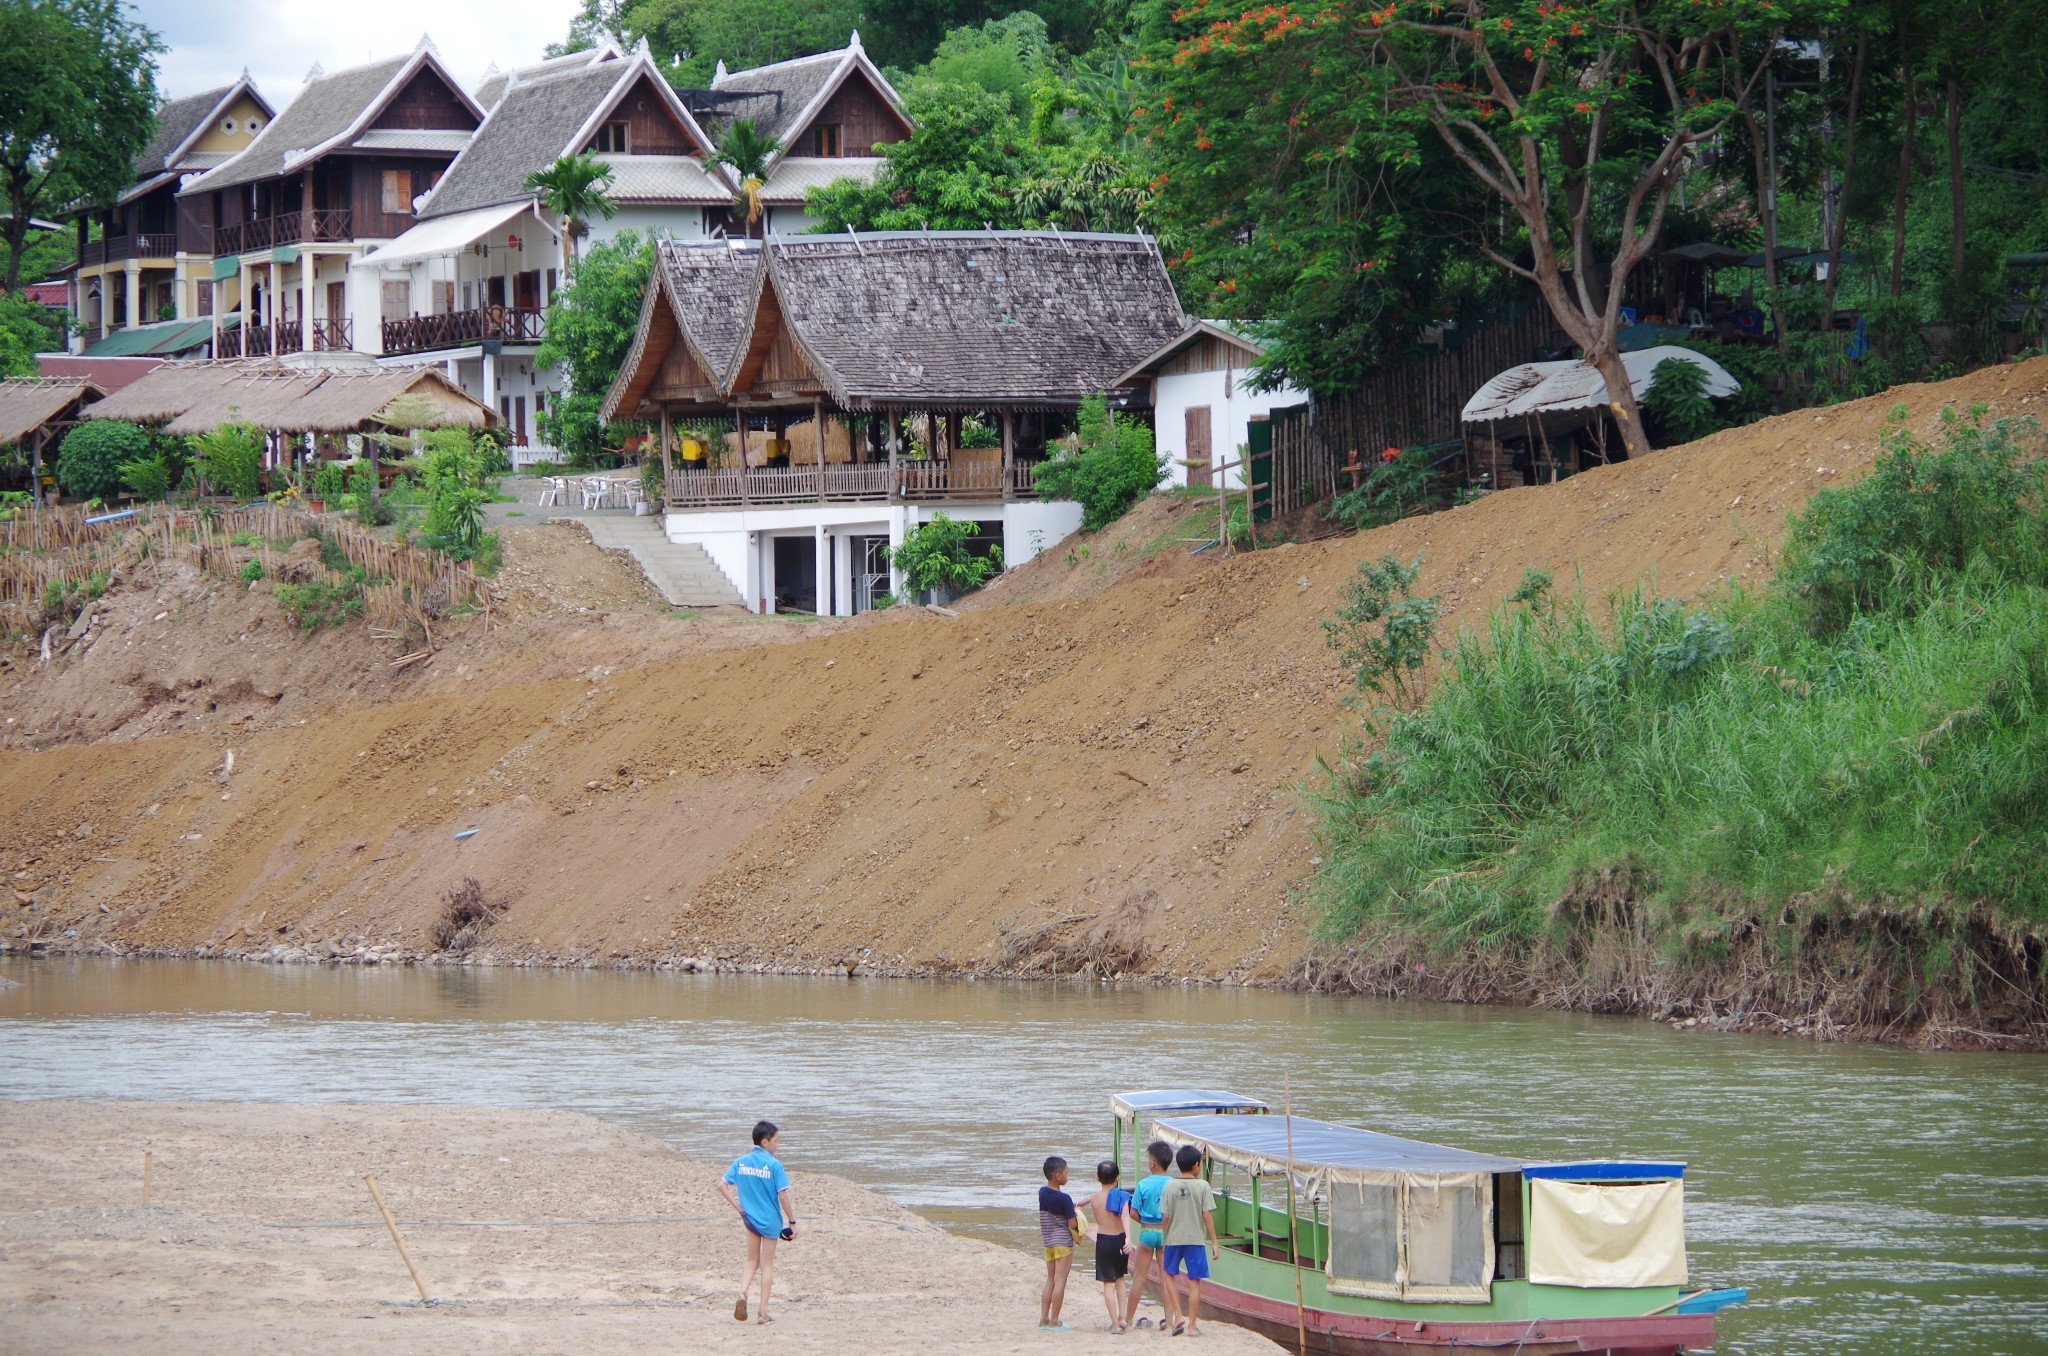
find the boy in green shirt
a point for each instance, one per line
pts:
(1189, 1206)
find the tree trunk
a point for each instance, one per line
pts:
(1621, 401)
(1841, 221)
(1765, 196)
(1955, 174)
(1905, 183)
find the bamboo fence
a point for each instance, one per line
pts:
(59, 545)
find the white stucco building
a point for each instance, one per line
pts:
(1202, 411)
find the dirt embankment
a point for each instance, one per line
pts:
(1105, 780)
(532, 1230)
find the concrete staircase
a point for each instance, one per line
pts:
(683, 572)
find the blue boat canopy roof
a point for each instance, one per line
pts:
(1128, 1106)
(1323, 1148)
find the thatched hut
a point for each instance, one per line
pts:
(36, 411)
(196, 397)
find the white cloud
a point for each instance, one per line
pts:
(278, 41)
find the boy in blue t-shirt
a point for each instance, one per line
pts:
(1112, 1243)
(1144, 1215)
(757, 1187)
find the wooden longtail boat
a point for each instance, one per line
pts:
(1402, 1247)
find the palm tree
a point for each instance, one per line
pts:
(747, 152)
(573, 188)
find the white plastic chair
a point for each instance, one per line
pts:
(595, 490)
(551, 488)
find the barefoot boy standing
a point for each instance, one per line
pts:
(757, 1187)
(1058, 1224)
(1142, 1215)
(1189, 1205)
(1112, 1245)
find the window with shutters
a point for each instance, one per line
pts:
(444, 297)
(614, 138)
(397, 300)
(825, 139)
(398, 190)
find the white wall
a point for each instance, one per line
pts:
(683, 221)
(1231, 408)
(1032, 528)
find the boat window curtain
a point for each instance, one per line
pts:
(1602, 1235)
(1419, 1237)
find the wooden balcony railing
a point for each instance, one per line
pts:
(293, 228)
(334, 336)
(153, 245)
(873, 483)
(454, 329)
(228, 342)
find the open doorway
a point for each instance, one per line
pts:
(796, 574)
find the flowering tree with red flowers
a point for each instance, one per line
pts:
(1577, 117)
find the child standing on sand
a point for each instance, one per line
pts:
(1142, 1215)
(1058, 1223)
(1112, 1244)
(1189, 1205)
(758, 1188)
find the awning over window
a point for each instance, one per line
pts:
(442, 235)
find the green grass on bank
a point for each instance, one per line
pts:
(1870, 729)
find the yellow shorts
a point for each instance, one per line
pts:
(1054, 1254)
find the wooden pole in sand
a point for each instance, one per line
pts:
(148, 1171)
(396, 1241)
(1293, 1221)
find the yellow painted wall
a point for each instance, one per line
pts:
(243, 109)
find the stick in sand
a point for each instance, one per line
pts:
(1293, 1220)
(396, 1241)
(148, 1169)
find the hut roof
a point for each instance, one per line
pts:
(962, 318)
(699, 292)
(27, 403)
(198, 397)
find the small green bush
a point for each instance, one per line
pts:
(148, 477)
(317, 603)
(1109, 466)
(936, 555)
(1394, 488)
(230, 459)
(1677, 402)
(1382, 632)
(330, 482)
(92, 455)
(251, 571)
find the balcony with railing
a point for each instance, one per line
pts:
(113, 248)
(334, 336)
(292, 228)
(875, 482)
(458, 329)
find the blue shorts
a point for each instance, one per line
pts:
(755, 1230)
(1193, 1256)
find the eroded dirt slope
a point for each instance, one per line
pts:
(1109, 779)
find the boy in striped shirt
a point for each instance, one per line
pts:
(1059, 1225)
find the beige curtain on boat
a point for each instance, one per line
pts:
(1598, 1235)
(1418, 1237)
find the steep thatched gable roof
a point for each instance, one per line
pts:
(28, 403)
(698, 295)
(966, 318)
(197, 397)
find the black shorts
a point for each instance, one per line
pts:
(1111, 1264)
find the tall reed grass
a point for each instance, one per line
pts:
(1869, 729)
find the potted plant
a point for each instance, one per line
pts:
(329, 483)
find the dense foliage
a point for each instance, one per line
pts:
(590, 326)
(26, 329)
(937, 555)
(230, 460)
(1873, 726)
(90, 457)
(1106, 466)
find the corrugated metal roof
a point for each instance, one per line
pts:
(164, 338)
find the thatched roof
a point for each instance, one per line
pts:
(691, 318)
(967, 319)
(196, 397)
(28, 403)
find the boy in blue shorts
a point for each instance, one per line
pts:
(1189, 1206)
(1142, 1217)
(757, 1187)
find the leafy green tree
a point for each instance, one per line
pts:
(1382, 632)
(1677, 402)
(90, 457)
(590, 326)
(77, 103)
(1007, 56)
(1107, 466)
(26, 329)
(690, 37)
(936, 555)
(573, 188)
(230, 459)
(746, 151)
(957, 173)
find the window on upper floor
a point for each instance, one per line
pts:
(614, 138)
(825, 139)
(398, 190)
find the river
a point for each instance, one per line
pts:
(1873, 1200)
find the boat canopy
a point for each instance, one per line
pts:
(1324, 1148)
(1129, 1106)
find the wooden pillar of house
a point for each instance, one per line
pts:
(668, 468)
(306, 261)
(818, 442)
(739, 419)
(895, 457)
(1009, 452)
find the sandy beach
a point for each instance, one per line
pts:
(535, 1231)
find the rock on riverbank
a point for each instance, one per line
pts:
(536, 1231)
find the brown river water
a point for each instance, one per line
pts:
(1871, 1199)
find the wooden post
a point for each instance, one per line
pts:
(667, 466)
(739, 420)
(895, 452)
(148, 1172)
(1293, 1222)
(1009, 453)
(818, 441)
(397, 1242)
